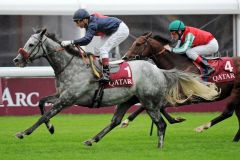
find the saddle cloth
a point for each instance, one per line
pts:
(120, 78)
(120, 72)
(225, 70)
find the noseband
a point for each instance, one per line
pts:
(29, 57)
(152, 50)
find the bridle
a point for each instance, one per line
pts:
(29, 56)
(152, 50)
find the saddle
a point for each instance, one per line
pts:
(225, 69)
(96, 65)
(120, 76)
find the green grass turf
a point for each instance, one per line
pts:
(132, 143)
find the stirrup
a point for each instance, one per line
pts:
(209, 72)
(104, 80)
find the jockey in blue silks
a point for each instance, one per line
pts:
(113, 32)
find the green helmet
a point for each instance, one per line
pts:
(176, 25)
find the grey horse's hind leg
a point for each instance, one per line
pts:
(48, 99)
(116, 120)
(160, 123)
(46, 117)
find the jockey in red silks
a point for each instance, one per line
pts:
(194, 42)
(113, 31)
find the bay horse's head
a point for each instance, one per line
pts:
(145, 46)
(33, 49)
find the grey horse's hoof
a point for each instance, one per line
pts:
(51, 129)
(20, 135)
(88, 143)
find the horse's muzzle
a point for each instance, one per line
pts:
(24, 53)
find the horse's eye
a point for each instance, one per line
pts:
(31, 45)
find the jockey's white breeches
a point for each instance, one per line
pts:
(203, 50)
(113, 40)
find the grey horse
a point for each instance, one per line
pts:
(76, 85)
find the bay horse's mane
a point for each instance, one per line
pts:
(162, 40)
(70, 49)
(159, 38)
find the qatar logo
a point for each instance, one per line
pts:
(18, 99)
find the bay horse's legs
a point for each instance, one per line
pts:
(48, 99)
(169, 118)
(116, 120)
(228, 112)
(46, 117)
(131, 117)
(160, 123)
(233, 103)
(237, 136)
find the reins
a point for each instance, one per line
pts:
(83, 55)
(162, 51)
(30, 56)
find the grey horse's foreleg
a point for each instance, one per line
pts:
(116, 120)
(160, 123)
(49, 99)
(46, 117)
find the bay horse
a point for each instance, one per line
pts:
(76, 85)
(148, 47)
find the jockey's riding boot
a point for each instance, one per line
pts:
(209, 69)
(106, 71)
(205, 65)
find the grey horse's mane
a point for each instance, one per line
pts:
(52, 36)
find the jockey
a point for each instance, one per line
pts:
(194, 42)
(113, 32)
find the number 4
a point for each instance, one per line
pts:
(228, 66)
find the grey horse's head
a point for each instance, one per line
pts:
(32, 50)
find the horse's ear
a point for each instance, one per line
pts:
(149, 35)
(43, 32)
(34, 30)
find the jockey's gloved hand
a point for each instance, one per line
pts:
(66, 43)
(167, 47)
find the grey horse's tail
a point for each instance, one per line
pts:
(185, 86)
